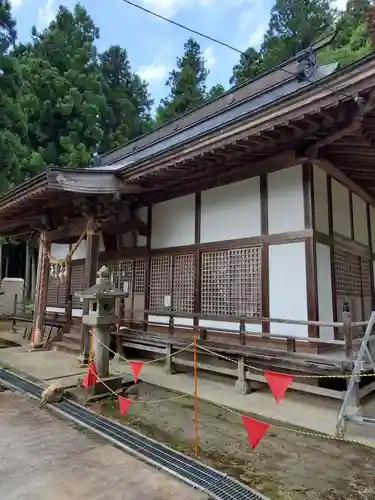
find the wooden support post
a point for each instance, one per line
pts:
(354, 400)
(15, 303)
(348, 332)
(1, 261)
(40, 293)
(27, 284)
(169, 367)
(33, 275)
(242, 385)
(242, 332)
(7, 261)
(171, 325)
(91, 268)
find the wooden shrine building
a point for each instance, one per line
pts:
(250, 219)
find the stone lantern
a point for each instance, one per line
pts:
(102, 306)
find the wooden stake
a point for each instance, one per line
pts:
(196, 399)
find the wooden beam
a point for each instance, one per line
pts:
(338, 174)
(69, 232)
(310, 248)
(132, 224)
(227, 175)
(265, 275)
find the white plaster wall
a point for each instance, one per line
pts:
(142, 213)
(360, 220)
(321, 200)
(173, 223)
(231, 211)
(76, 313)
(60, 251)
(372, 224)
(288, 295)
(324, 282)
(285, 201)
(164, 320)
(230, 326)
(340, 209)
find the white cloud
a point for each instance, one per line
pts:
(252, 25)
(209, 57)
(16, 3)
(46, 13)
(169, 8)
(341, 4)
(166, 8)
(153, 73)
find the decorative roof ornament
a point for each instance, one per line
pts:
(306, 64)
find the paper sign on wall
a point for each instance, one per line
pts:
(167, 301)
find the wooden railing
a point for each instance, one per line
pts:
(24, 311)
(349, 328)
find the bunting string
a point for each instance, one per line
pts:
(255, 429)
(143, 362)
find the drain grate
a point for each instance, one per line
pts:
(214, 483)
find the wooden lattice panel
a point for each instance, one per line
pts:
(231, 282)
(160, 282)
(366, 277)
(348, 276)
(139, 276)
(183, 283)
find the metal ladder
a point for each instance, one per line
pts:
(364, 353)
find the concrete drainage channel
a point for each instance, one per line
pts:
(212, 482)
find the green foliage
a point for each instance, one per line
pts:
(128, 102)
(62, 91)
(61, 102)
(12, 120)
(187, 84)
(215, 92)
(296, 24)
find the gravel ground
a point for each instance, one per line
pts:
(284, 466)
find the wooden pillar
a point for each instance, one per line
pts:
(68, 299)
(310, 248)
(242, 385)
(40, 293)
(7, 261)
(1, 261)
(27, 284)
(33, 274)
(91, 268)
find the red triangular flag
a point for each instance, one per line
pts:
(255, 430)
(90, 377)
(279, 383)
(136, 367)
(123, 404)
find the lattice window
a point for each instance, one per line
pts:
(348, 276)
(77, 283)
(160, 283)
(139, 276)
(366, 277)
(183, 283)
(231, 282)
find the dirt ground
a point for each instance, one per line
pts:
(284, 466)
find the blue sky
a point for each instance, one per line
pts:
(154, 44)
